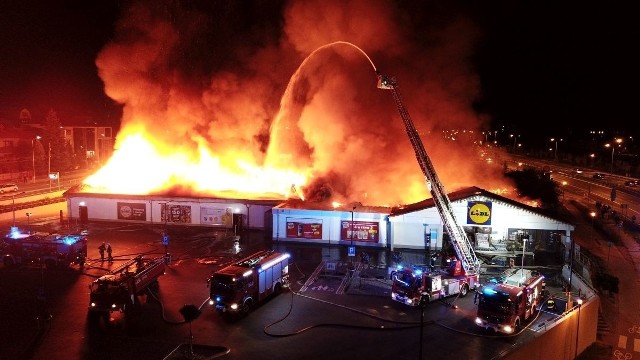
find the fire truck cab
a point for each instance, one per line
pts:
(237, 288)
(504, 307)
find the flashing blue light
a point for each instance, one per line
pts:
(400, 267)
(71, 239)
(489, 291)
(15, 233)
(418, 272)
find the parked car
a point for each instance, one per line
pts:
(8, 188)
(578, 171)
(598, 176)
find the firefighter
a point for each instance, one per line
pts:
(101, 249)
(109, 257)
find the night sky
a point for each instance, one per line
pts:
(538, 64)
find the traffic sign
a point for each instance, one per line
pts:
(352, 251)
(165, 239)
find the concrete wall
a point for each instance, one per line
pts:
(558, 342)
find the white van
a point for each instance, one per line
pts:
(8, 188)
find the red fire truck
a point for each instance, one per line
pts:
(119, 289)
(236, 288)
(50, 250)
(506, 305)
(411, 284)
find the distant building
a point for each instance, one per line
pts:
(90, 143)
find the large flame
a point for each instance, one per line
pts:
(141, 166)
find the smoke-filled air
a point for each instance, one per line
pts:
(279, 100)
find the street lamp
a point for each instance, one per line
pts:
(29, 221)
(593, 216)
(33, 153)
(165, 232)
(49, 172)
(13, 207)
(613, 150)
(515, 138)
(555, 154)
(352, 210)
(524, 245)
(578, 328)
(570, 274)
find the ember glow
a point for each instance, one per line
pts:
(293, 112)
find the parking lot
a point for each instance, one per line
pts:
(332, 314)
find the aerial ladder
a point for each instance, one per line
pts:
(458, 237)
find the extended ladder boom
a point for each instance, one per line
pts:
(459, 238)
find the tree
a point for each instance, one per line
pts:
(59, 158)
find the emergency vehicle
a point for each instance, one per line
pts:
(462, 274)
(238, 287)
(505, 306)
(411, 284)
(50, 250)
(119, 289)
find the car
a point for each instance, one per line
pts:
(631, 183)
(578, 171)
(8, 188)
(598, 176)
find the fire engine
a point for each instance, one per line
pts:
(462, 274)
(504, 306)
(416, 283)
(50, 250)
(236, 288)
(119, 289)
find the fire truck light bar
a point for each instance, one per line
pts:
(273, 262)
(489, 291)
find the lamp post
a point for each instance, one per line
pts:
(33, 155)
(578, 328)
(555, 154)
(593, 216)
(423, 303)
(570, 274)
(29, 221)
(165, 233)
(613, 150)
(515, 138)
(352, 210)
(524, 245)
(49, 167)
(13, 207)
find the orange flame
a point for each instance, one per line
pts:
(166, 169)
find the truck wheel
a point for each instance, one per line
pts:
(517, 326)
(464, 290)
(246, 307)
(277, 289)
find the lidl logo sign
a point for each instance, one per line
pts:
(479, 212)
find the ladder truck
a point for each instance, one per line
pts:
(119, 289)
(463, 274)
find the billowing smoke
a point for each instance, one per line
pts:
(292, 86)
